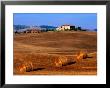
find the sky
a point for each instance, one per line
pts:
(84, 20)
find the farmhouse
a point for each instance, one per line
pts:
(65, 27)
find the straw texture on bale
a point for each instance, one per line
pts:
(62, 61)
(90, 55)
(25, 67)
(82, 55)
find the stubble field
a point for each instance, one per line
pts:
(55, 53)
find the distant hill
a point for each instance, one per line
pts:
(43, 27)
(48, 27)
(90, 29)
(18, 27)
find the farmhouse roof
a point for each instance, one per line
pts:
(66, 25)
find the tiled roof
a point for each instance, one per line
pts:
(66, 25)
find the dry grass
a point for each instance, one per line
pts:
(55, 53)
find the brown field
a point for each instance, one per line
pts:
(55, 53)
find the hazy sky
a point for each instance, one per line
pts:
(85, 20)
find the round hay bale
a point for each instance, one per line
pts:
(22, 68)
(91, 55)
(29, 66)
(25, 67)
(62, 61)
(82, 55)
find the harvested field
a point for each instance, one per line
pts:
(55, 53)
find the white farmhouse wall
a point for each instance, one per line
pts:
(65, 27)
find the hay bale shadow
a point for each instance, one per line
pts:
(70, 63)
(36, 69)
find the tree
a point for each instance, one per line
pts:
(75, 29)
(72, 28)
(79, 28)
(16, 32)
(95, 29)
